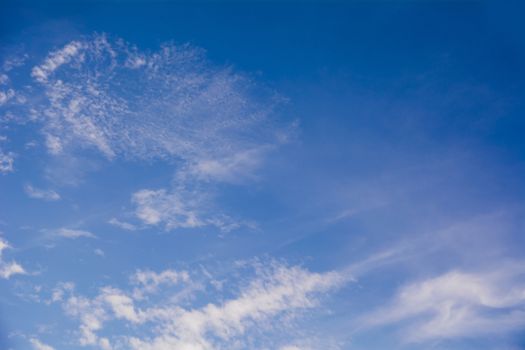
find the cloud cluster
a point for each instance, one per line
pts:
(276, 290)
(109, 96)
(55, 60)
(101, 95)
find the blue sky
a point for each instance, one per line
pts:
(262, 175)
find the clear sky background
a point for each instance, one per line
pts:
(262, 175)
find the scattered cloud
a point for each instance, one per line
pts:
(181, 208)
(233, 169)
(73, 233)
(3, 79)
(38, 345)
(186, 108)
(48, 195)
(459, 304)
(291, 347)
(6, 162)
(8, 269)
(5, 96)
(60, 290)
(149, 281)
(99, 252)
(175, 210)
(55, 60)
(14, 60)
(123, 225)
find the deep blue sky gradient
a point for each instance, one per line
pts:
(410, 134)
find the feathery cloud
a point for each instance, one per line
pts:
(459, 304)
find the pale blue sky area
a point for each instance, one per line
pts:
(262, 175)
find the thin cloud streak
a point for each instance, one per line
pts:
(48, 195)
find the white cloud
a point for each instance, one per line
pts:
(181, 208)
(14, 61)
(91, 314)
(281, 289)
(186, 108)
(38, 345)
(5, 96)
(99, 252)
(60, 290)
(277, 290)
(6, 162)
(53, 144)
(123, 225)
(459, 304)
(135, 61)
(121, 304)
(104, 344)
(48, 195)
(233, 168)
(73, 234)
(149, 281)
(158, 206)
(55, 60)
(8, 269)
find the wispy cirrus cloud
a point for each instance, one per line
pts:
(180, 208)
(148, 281)
(38, 345)
(72, 233)
(48, 195)
(458, 304)
(122, 224)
